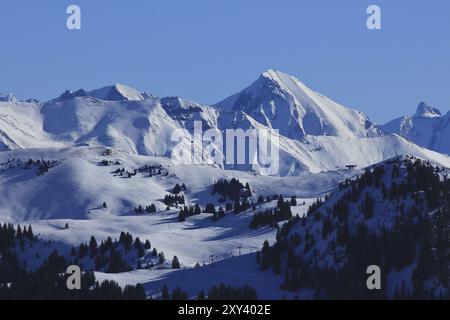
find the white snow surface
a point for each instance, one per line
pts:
(77, 186)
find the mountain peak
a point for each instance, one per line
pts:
(272, 73)
(117, 92)
(281, 101)
(279, 77)
(426, 111)
(7, 97)
(69, 94)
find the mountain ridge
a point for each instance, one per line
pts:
(316, 133)
(428, 128)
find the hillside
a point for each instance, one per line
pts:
(395, 215)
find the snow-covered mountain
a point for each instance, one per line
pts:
(282, 102)
(428, 128)
(116, 92)
(316, 134)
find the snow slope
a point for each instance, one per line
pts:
(236, 271)
(21, 126)
(77, 186)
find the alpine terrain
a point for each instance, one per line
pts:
(91, 178)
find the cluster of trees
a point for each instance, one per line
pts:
(272, 217)
(218, 292)
(173, 200)
(49, 280)
(150, 169)
(9, 235)
(11, 239)
(153, 170)
(148, 209)
(414, 238)
(233, 190)
(177, 189)
(269, 217)
(219, 214)
(42, 165)
(44, 284)
(106, 163)
(240, 206)
(108, 256)
(121, 172)
(188, 212)
(223, 292)
(177, 294)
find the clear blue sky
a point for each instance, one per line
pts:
(205, 50)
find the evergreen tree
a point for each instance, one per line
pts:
(179, 294)
(293, 201)
(93, 246)
(161, 258)
(165, 293)
(175, 263)
(201, 295)
(177, 189)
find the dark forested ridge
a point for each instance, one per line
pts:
(396, 215)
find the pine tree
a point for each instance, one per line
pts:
(182, 215)
(237, 207)
(201, 295)
(165, 293)
(179, 294)
(210, 208)
(177, 189)
(93, 246)
(293, 201)
(161, 258)
(175, 263)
